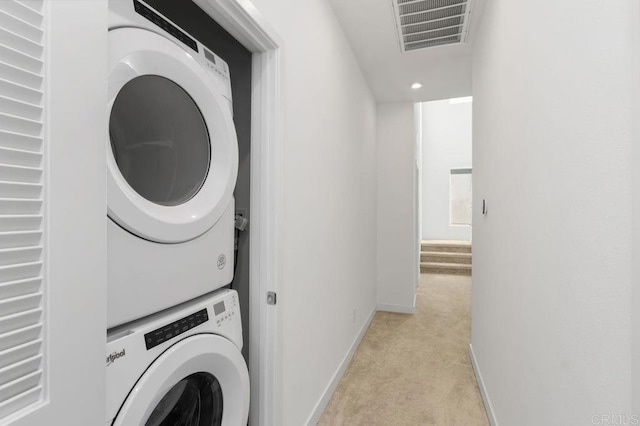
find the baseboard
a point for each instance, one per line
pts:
(399, 309)
(483, 390)
(314, 418)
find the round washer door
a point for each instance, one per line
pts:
(173, 157)
(200, 381)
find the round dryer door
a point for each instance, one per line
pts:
(173, 156)
(200, 381)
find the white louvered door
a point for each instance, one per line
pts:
(52, 212)
(22, 348)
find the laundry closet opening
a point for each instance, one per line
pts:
(193, 20)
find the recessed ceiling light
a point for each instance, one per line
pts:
(415, 86)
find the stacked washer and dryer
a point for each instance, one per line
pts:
(175, 337)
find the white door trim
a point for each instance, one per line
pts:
(245, 22)
(417, 194)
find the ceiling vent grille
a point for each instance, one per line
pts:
(431, 23)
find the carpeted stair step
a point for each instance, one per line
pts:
(445, 268)
(445, 257)
(446, 246)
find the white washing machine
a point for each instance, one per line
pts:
(180, 367)
(172, 165)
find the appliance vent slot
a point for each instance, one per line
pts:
(22, 208)
(430, 23)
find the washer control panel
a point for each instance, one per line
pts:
(176, 328)
(225, 311)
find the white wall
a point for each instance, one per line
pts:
(397, 268)
(446, 144)
(329, 189)
(552, 259)
(636, 220)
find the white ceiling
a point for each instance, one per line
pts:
(444, 71)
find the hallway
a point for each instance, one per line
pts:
(414, 369)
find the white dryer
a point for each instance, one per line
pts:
(172, 165)
(181, 367)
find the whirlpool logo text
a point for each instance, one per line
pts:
(111, 358)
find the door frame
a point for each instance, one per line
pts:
(245, 22)
(635, 292)
(417, 194)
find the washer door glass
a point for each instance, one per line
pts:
(194, 401)
(159, 140)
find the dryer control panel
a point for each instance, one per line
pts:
(212, 62)
(153, 16)
(216, 64)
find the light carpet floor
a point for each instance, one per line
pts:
(414, 369)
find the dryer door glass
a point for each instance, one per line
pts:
(194, 401)
(159, 140)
